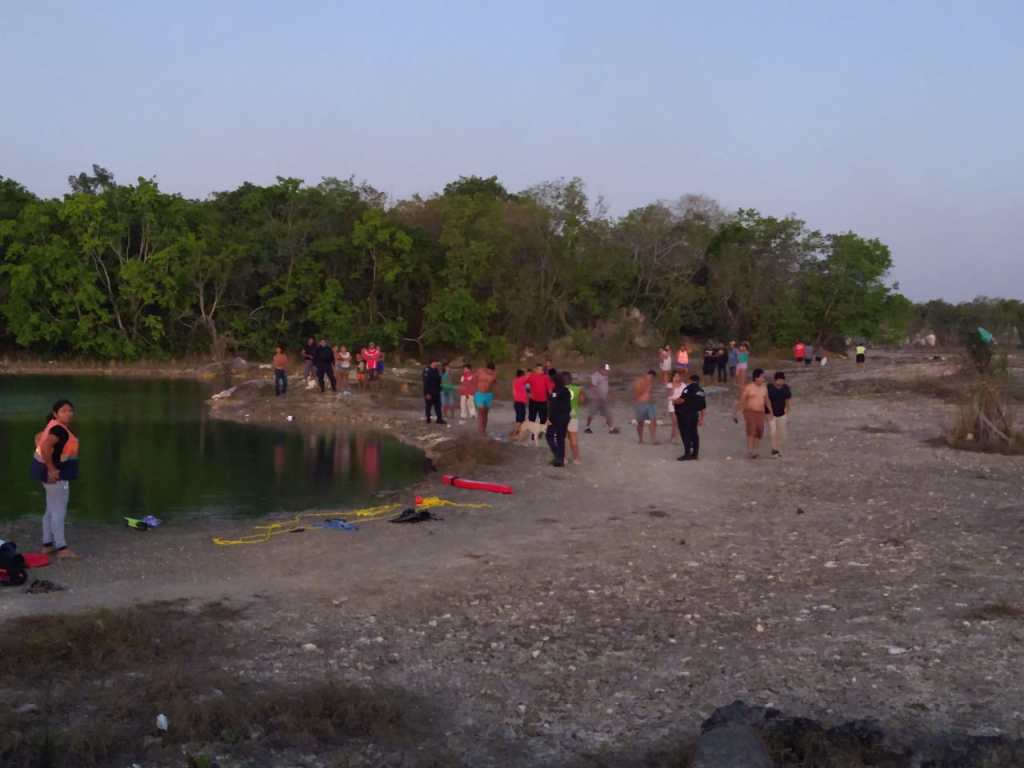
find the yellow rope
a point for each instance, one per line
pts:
(365, 515)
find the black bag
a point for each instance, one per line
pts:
(12, 566)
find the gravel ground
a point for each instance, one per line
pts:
(606, 609)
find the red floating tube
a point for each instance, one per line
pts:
(36, 559)
(475, 485)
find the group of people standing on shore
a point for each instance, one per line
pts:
(324, 363)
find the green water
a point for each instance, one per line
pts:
(149, 448)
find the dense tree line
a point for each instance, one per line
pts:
(114, 270)
(950, 323)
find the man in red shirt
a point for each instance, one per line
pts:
(798, 351)
(540, 386)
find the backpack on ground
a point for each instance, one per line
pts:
(13, 571)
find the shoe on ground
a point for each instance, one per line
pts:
(442, 422)
(776, 453)
(683, 458)
(557, 464)
(613, 431)
(66, 554)
(588, 431)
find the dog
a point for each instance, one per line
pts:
(532, 433)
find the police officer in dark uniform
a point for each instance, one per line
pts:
(559, 416)
(432, 391)
(323, 361)
(690, 414)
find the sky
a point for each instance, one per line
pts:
(897, 120)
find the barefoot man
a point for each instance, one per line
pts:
(645, 410)
(485, 378)
(755, 405)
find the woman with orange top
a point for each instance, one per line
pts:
(54, 464)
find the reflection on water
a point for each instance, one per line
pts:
(148, 447)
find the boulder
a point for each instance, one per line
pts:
(732, 746)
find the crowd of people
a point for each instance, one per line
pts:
(325, 364)
(547, 400)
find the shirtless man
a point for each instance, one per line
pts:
(756, 407)
(645, 410)
(485, 378)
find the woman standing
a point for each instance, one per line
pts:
(449, 398)
(54, 464)
(665, 363)
(683, 359)
(742, 361)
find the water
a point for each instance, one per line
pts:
(149, 448)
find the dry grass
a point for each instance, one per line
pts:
(471, 449)
(987, 421)
(83, 691)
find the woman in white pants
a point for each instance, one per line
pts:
(55, 464)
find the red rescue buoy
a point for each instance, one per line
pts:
(475, 485)
(36, 559)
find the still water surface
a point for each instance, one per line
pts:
(149, 448)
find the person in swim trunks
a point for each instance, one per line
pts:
(644, 406)
(755, 406)
(484, 397)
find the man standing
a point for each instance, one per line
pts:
(754, 404)
(808, 354)
(597, 400)
(520, 397)
(573, 433)
(560, 414)
(644, 406)
(280, 363)
(798, 352)
(779, 395)
(540, 386)
(432, 391)
(484, 397)
(862, 352)
(734, 359)
(308, 353)
(323, 360)
(690, 407)
(722, 362)
(467, 389)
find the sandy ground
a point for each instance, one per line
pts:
(609, 607)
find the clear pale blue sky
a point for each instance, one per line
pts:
(900, 120)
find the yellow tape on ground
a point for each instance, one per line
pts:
(365, 515)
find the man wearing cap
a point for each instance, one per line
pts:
(597, 400)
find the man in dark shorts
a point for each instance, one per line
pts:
(779, 396)
(540, 385)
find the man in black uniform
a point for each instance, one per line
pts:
(559, 415)
(432, 391)
(689, 409)
(323, 359)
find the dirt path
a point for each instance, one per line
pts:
(609, 606)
